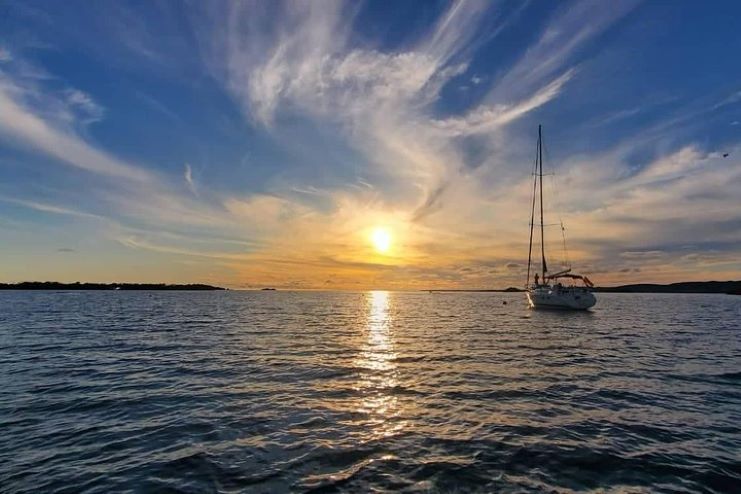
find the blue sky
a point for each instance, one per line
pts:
(258, 143)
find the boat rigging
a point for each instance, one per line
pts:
(547, 291)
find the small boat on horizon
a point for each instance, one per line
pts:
(547, 290)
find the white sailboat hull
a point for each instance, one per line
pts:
(560, 298)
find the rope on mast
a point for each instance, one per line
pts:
(532, 218)
(542, 229)
(566, 261)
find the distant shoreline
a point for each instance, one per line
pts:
(53, 285)
(723, 287)
(728, 287)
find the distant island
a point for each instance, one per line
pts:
(729, 287)
(54, 285)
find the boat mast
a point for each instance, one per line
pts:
(540, 176)
(532, 216)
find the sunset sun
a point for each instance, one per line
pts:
(381, 239)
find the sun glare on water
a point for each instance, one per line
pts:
(381, 239)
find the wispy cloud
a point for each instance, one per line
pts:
(89, 109)
(568, 32)
(21, 125)
(487, 118)
(49, 208)
(730, 100)
(5, 55)
(188, 176)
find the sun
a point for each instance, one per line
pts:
(381, 239)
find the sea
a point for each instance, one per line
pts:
(278, 391)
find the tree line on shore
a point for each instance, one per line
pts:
(54, 285)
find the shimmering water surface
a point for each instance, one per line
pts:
(280, 391)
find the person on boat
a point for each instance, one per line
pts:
(536, 279)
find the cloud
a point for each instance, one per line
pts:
(568, 31)
(188, 176)
(486, 118)
(21, 125)
(140, 243)
(266, 62)
(730, 100)
(675, 165)
(381, 100)
(49, 208)
(454, 31)
(90, 110)
(646, 254)
(5, 55)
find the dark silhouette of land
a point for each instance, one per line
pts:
(730, 287)
(733, 287)
(54, 285)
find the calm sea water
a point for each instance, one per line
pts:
(322, 392)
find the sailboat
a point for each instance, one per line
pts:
(547, 290)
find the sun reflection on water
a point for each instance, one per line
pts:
(379, 376)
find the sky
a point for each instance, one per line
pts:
(252, 144)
